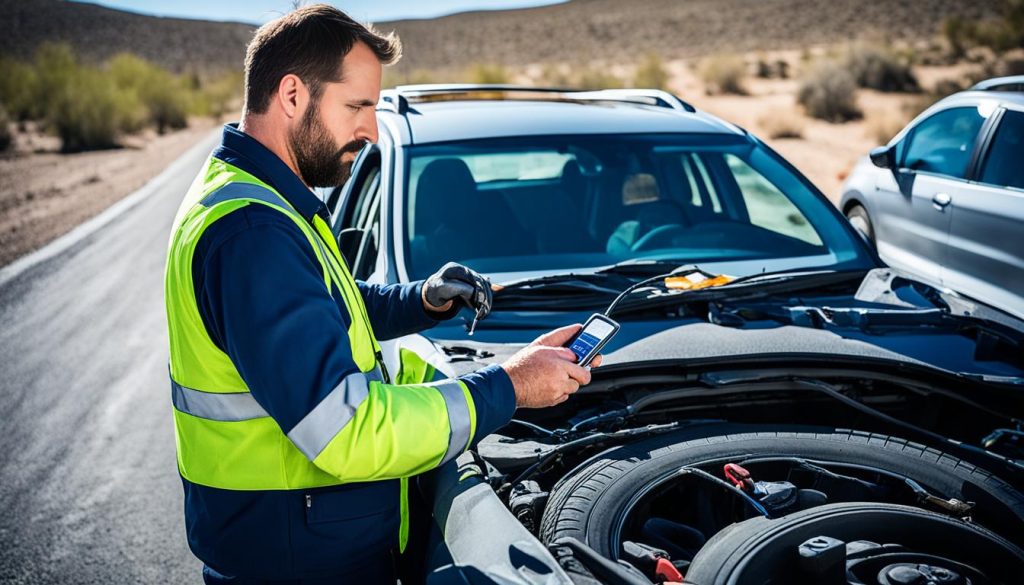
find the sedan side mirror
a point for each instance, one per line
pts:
(883, 157)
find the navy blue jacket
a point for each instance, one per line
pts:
(262, 299)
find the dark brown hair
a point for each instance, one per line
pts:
(309, 42)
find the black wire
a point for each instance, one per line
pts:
(646, 281)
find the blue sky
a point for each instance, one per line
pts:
(260, 11)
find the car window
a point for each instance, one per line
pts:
(692, 198)
(1003, 165)
(767, 206)
(943, 143)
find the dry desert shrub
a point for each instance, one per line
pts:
(591, 77)
(784, 123)
(723, 74)
(829, 92)
(651, 73)
(91, 105)
(880, 69)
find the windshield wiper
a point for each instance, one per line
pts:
(582, 289)
(559, 291)
(747, 287)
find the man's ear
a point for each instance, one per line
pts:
(293, 95)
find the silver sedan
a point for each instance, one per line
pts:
(944, 200)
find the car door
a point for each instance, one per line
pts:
(986, 245)
(912, 218)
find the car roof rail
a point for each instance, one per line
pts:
(1010, 83)
(398, 99)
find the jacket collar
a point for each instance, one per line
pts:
(245, 152)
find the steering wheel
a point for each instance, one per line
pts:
(658, 237)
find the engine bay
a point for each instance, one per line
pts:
(652, 475)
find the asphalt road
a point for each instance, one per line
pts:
(89, 490)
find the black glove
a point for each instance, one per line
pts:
(455, 282)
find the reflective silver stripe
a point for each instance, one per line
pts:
(232, 407)
(244, 191)
(326, 420)
(458, 418)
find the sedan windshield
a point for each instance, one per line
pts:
(545, 205)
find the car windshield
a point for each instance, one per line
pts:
(529, 206)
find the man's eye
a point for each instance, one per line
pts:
(355, 108)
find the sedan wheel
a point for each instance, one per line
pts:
(860, 220)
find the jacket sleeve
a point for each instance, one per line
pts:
(397, 309)
(262, 297)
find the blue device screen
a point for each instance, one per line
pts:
(588, 339)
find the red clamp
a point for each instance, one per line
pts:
(667, 572)
(739, 477)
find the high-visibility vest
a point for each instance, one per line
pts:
(366, 429)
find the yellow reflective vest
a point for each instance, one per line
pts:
(368, 428)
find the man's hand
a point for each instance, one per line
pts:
(545, 373)
(455, 283)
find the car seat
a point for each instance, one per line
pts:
(651, 212)
(455, 221)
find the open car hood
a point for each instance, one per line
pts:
(890, 318)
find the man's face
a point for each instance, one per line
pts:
(337, 126)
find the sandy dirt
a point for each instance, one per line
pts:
(44, 194)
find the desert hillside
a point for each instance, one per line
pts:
(97, 33)
(577, 31)
(618, 31)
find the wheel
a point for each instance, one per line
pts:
(872, 543)
(637, 492)
(860, 220)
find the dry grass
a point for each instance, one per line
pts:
(488, 73)
(782, 124)
(723, 74)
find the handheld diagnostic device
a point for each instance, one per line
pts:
(595, 334)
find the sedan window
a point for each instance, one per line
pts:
(1003, 164)
(943, 143)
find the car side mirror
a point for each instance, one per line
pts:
(883, 157)
(349, 242)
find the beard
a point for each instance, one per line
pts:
(317, 155)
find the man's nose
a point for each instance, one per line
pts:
(367, 126)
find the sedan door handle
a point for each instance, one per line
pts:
(940, 201)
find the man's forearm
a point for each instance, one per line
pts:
(397, 309)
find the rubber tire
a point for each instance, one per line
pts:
(757, 549)
(588, 503)
(859, 214)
